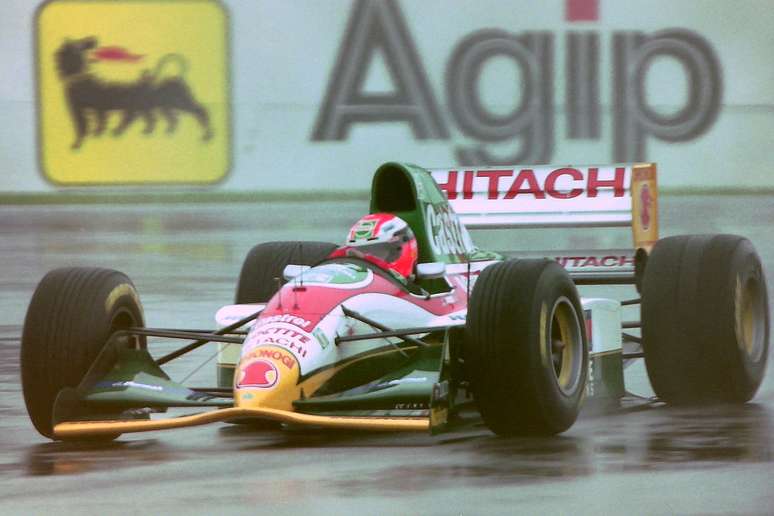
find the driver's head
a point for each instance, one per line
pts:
(387, 241)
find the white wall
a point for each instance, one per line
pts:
(284, 53)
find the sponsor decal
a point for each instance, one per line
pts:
(138, 385)
(447, 235)
(278, 356)
(579, 262)
(127, 96)
(284, 318)
(258, 374)
(378, 29)
(591, 381)
(410, 406)
(281, 335)
(646, 200)
(507, 184)
(363, 230)
(321, 337)
(589, 327)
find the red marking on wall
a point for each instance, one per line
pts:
(581, 10)
(115, 54)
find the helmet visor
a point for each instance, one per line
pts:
(385, 251)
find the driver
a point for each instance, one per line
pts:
(384, 240)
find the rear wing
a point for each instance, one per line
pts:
(550, 196)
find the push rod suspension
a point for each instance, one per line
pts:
(378, 326)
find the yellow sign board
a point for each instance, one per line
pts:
(133, 91)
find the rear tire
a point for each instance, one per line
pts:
(705, 319)
(265, 263)
(525, 352)
(71, 316)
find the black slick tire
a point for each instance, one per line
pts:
(71, 316)
(265, 263)
(705, 319)
(525, 351)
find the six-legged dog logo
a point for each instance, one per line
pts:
(153, 92)
(133, 92)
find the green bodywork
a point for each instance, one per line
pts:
(136, 380)
(410, 192)
(336, 274)
(124, 378)
(401, 391)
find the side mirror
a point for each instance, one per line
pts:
(432, 270)
(293, 271)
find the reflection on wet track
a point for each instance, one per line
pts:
(643, 459)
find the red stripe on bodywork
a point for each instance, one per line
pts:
(315, 302)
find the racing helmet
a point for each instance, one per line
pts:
(385, 240)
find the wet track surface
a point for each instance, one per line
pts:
(644, 459)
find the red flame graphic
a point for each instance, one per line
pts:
(119, 54)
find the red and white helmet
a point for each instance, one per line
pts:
(385, 240)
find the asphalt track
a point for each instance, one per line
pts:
(184, 259)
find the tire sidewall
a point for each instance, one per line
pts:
(507, 352)
(548, 292)
(71, 316)
(747, 267)
(693, 346)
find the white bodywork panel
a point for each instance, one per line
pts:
(604, 318)
(228, 315)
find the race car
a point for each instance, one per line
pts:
(409, 326)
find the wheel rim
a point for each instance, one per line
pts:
(566, 344)
(124, 319)
(750, 318)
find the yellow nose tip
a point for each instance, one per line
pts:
(266, 377)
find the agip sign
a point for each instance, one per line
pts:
(133, 92)
(378, 28)
(314, 96)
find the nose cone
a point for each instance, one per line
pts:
(266, 377)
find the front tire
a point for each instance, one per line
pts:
(71, 316)
(705, 319)
(526, 355)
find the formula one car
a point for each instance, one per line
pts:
(409, 325)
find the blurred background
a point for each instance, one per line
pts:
(242, 96)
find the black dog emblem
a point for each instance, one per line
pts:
(148, 95)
